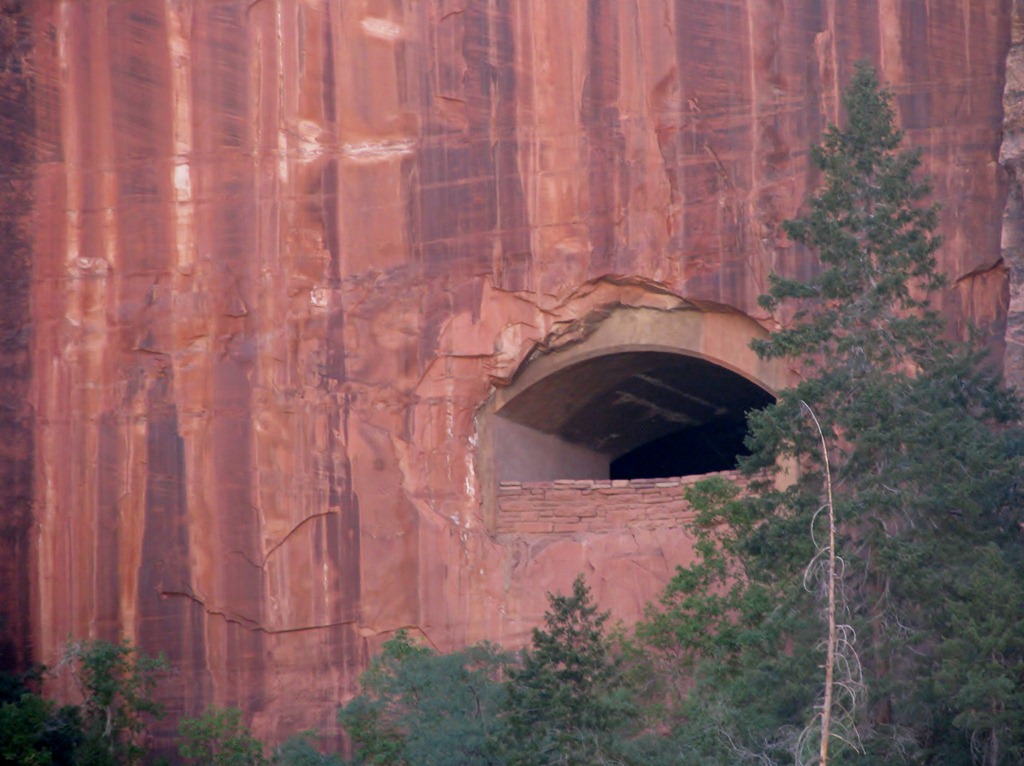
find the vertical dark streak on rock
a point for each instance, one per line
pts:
(329, 217)
(106, 580)
(223, 53)
(513, 271)
(455, 212)
(342, 525)
(340, 529)
(240, 589)
(343, 529)
(167, 621)
(418, 92)
(17, 130)
(327, 91)
(141, 130)
(329, 177)
(606, 142)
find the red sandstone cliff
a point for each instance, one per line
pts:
(264, 259)
(1011, 156)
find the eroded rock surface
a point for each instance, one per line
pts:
(264, 262)
(17, 122)
(1011, 156)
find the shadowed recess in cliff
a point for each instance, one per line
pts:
(628, 415)
(632, 393)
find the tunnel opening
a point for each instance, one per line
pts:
(703, 449)
(627, 415)
(652, 396)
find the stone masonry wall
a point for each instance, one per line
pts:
(569, 506)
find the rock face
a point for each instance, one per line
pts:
(1011, 156)
(17, 125)
(265, 261)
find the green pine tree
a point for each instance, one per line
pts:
(924, 460)
(568, 702)
(429, 709)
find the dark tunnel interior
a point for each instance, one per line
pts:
(702, 449)
(629, 415)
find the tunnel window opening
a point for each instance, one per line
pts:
(627, 415)
(709, 448)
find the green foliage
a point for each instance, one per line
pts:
(420, 707)
(567, 701)
(709, 607)
(924, 461)
(219, 737)
(22, 726)
(299, 750)
(374, 718)
(924, 466)
(34, 732)
(981, 655)
(108, 727)
(116, 683)
(719, 635)
(14, 685)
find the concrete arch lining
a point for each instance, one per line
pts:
(613, 403)
(720, 337)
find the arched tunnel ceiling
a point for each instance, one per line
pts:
(617, 402)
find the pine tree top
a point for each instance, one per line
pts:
(875, 240)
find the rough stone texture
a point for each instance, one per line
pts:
(590, 506)
(1011, 156)
(16, 433)
(263, 261)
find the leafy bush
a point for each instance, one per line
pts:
(219, 737)
(116, 683)
(420, 707)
